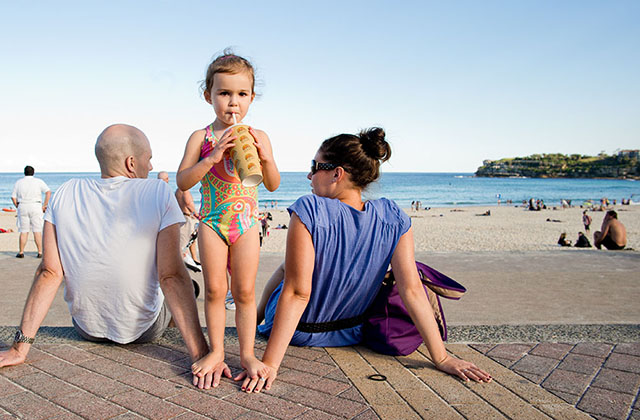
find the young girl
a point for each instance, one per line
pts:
(228, 228)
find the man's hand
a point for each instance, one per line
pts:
(11, 357)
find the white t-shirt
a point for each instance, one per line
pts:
(29, 190)
(107, 231)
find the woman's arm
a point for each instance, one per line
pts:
(299, 264)
(416, 301)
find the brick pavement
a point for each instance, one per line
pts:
(599, 378)
(66, 378)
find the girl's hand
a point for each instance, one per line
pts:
(463, 369)
(221, 148)
(265, 153)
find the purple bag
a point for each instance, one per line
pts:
(388, 328)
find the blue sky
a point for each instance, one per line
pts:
(452, 83)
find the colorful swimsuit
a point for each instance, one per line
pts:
(228, 208)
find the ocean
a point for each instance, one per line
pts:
(432, 189)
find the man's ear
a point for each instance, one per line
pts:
(130, 164)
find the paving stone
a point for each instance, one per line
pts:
(158, 352)
(581, 363)
(623, 362)
(569, 398)
(153, 385)
(567, 381)
(208, 405)
(7, 387)
(70, 353)
(537, 365)
(367, 415)
(108, 368)
(98, 384)
(628, 348)
(45, 385)
(114, 352)
(35, 355)
(504, 362)
(612, 404)
(317, 368)
(155, 367)
(337, 375)
(147, 405)
(307, 353)
(59, 368)
(224, 388)
(478, 411)
(251, 415)
(635, 415)
(194, 416)
(130, 416)
(28, 405)
(482, 348)
(536, 379)
(510, 352)
(563, 411)
(552, 350)
(617, 380)
(310, 381)
(315, 415)
(88, 405)
(318, 400)
(593, 349)
(267, 404)
(353, 395)
(17, 371)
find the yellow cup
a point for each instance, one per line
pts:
(245, 156)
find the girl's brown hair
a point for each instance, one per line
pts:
(228, 63)
(360, 155)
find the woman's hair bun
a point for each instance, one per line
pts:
(374, 144)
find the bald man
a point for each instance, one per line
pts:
(115, 242)
(164, 175)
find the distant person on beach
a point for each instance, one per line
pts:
(586, 221)
(114, 241)
(582, 241)
(27, 197)
(163, 175)
(6, 230)
(612, 235)
(228, 230)
(562, 240)
(338, 251)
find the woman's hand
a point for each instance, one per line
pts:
(257, 384)
(463, 369)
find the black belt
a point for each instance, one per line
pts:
(340, 324)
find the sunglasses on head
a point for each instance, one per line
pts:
(319, 166)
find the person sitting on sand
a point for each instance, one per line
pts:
(338, 251)
(562, 240)
(582, 241)
(612, 235)
(6, 230)
(114, 241)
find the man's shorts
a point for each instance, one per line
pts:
(608, 243)
(30, 217)
(154, 332)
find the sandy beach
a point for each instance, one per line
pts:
(455, 229)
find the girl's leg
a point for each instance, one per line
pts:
(245, 255)
(213, 257)
(276, 278)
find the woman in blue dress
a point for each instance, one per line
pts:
(338, 251)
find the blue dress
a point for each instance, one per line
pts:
(353, 250)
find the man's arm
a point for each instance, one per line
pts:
(15, 201)
(604, 231)
(47, 196)
(178, 291)
(43, 290)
